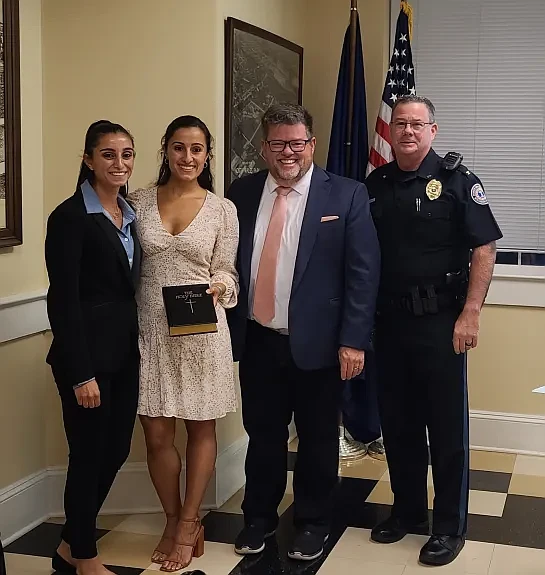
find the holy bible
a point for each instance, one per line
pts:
(189, 309)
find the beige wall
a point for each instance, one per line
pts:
(21, 268)
(22, 383)
(327, 23)
(22, 409)
(508, 363)
(284, 17)
(117, 60)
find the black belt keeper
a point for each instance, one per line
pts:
(416, 302)
(429, 303)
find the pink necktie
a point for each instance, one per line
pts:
(265, 285)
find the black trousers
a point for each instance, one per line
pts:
(274, 389)
(422, 384)
(99, 442)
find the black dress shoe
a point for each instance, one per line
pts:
(307, 545)
(251, 540)
(441, 549)
(393, 530)
(61, 565)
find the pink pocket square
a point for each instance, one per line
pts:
(329, 218)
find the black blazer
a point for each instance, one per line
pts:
(90, 301)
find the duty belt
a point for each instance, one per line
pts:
(427, 299)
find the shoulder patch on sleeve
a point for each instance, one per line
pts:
(478, 195)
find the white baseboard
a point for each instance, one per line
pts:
(23, 506)
(507, 432)
(22, 315)
(132, 492)
(229, 475)
(29, 502)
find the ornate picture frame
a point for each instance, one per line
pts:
(11, 216)
(261, 68)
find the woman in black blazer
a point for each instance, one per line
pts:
(93, 258)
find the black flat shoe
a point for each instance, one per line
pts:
(441, 549)
(251, 540)
(307, 545)
(61, 565)
(393, 530)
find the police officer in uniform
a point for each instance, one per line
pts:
(433, 220)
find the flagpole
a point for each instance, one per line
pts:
(350, 449)
(351, 70)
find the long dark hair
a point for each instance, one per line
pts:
(94, 132)
(205, 179)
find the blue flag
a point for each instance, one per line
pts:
(359, 401)
(338, 150)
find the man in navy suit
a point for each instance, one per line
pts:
(309, 267)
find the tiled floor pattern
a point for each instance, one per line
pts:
(506, 534)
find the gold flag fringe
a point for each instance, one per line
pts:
(408, 9)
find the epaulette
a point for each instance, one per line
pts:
(465, 170)
(380, 171)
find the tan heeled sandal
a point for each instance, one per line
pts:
(158, 557)
(195, 541)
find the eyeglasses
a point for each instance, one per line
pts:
(401, 126)
(295, 145)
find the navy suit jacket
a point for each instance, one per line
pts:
(336, 275)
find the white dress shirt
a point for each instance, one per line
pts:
(297, 201)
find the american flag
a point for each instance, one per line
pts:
(399, 81)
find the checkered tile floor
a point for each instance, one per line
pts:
(506, 533)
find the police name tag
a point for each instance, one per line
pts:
(478, 195)
(434, 189)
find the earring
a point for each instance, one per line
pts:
(206, 164)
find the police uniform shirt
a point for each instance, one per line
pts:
(427, 221)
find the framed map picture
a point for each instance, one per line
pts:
(11, 231)
(260, 69)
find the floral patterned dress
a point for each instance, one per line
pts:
(188, 377)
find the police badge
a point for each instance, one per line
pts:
(433, 189)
